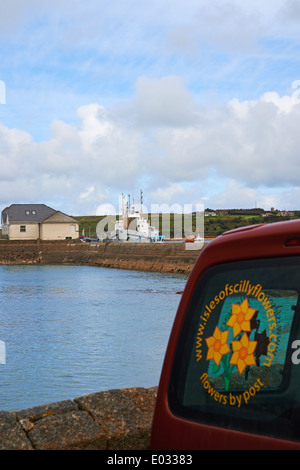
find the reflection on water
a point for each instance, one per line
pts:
(75, 330)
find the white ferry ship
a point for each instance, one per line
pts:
(132, 227)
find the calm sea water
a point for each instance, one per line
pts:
(76, 330)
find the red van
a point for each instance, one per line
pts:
(231, 374)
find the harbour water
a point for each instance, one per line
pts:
(74, 330)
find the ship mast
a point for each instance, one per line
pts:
(123, 212)
(127, 209)
(141, 204)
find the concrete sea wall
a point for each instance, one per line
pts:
(156, 257)
(112, 420)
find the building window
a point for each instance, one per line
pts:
(22, 228)
(33, 212)
(27, 212)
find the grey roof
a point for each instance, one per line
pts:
(60, 217)
(27, 212)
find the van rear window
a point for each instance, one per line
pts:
(235, 364)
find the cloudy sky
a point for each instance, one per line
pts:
(192, 101)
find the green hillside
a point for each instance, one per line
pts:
(213, 224)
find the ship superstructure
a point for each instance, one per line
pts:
(132, 226)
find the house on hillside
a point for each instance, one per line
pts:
(37, 221)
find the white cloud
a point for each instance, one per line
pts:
(87, 193)
(139, 75)
(289, 12)
(95, 126)
(107, 209)
(284, 104)
(236, 196)
(252, 144)
(239, 196)
(284, 199)
(163, 102)
(14, 145)
(233, 26)
(167, 195)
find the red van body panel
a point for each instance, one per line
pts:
(170, 432)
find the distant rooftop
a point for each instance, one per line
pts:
(27, 212)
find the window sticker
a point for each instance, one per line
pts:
(245, 351)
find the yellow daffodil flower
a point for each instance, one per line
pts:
(243, 353)
(240, 317)
(217, 346)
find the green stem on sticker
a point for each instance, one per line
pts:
(226, 382)
(228, 369)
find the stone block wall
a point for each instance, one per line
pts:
(158, 257)
(110, 420)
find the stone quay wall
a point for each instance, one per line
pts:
(110, 420)
(156, 257)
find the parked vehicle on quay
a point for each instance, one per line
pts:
(231, 374)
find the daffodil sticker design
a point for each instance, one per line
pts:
(238, 340)
(241, 317)
(230, 347)
(217, 346)
(243, 353)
